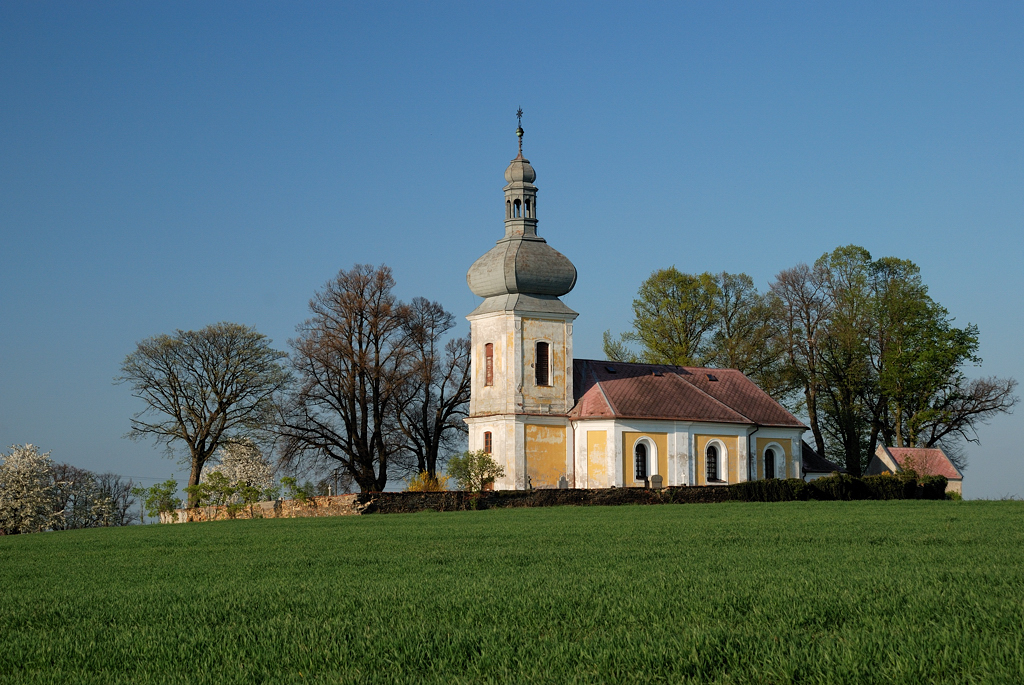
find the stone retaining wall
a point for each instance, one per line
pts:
(410, 502)
(339, 505)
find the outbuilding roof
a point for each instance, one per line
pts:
(927, 461)
(604, 389)
(815, 463)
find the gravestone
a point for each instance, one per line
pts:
(656, 482)
(563, 484)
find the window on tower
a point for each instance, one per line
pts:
(489, 364)
(517, 209)
(542, 364)
(528, 214)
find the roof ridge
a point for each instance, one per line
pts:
(712, 397)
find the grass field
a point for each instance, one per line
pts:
(804, 591)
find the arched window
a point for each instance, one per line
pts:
(527, 214)
(517, 209)
(769, 463)
(508, 209)
(640, 461)
(541, 365)
(489, 364)
(487, 442)
(711, 463)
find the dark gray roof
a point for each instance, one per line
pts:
(815, 463)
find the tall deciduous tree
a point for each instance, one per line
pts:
(437, 390)
(717, 320)
(844, 352)
(351, 358)
(203, 388)
(672, 314)
(801, 310)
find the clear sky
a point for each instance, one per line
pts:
(170, 165)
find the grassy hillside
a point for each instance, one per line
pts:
(810, 591)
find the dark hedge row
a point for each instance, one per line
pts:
(841, 487)
(835, 487)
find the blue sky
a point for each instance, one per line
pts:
(170, 165)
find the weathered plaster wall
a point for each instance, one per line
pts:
(545, 454)
(730, 457)
(514, 389)
(785, 446)
(596, 475)
(556, 397)
(629, 440)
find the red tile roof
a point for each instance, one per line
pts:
(661, 391)
(926, 461)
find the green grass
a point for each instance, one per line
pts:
(842, 592)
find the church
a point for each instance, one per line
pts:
(555, 421)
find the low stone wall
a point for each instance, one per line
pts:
(339, 505)
(410, 502)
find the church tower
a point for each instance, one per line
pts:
(522, 345)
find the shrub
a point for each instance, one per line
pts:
(474, 471)
(292, 489)
(159, 499)
(424, 482)
(889, 486)
(933, 487)
(770, 490)
(838, 486)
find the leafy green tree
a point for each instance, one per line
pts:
(160, 498)
(473, 471)
(203, 388)
(844, 353)
(672, 314)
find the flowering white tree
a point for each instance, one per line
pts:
(243, 464)
(26, 491)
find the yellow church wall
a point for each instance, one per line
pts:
(629, 439)
(597, 459)
(762, 445)
(545, 454)
(732, 445)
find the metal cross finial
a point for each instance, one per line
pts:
(519, 129)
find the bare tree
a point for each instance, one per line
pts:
(119, 493)
(798, 298)
(437, 391)
(351, 361)
(960, 408)
(203, 388)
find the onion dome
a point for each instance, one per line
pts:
(521, 263)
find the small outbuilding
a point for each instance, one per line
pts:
(926, 461)
(816, 466)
